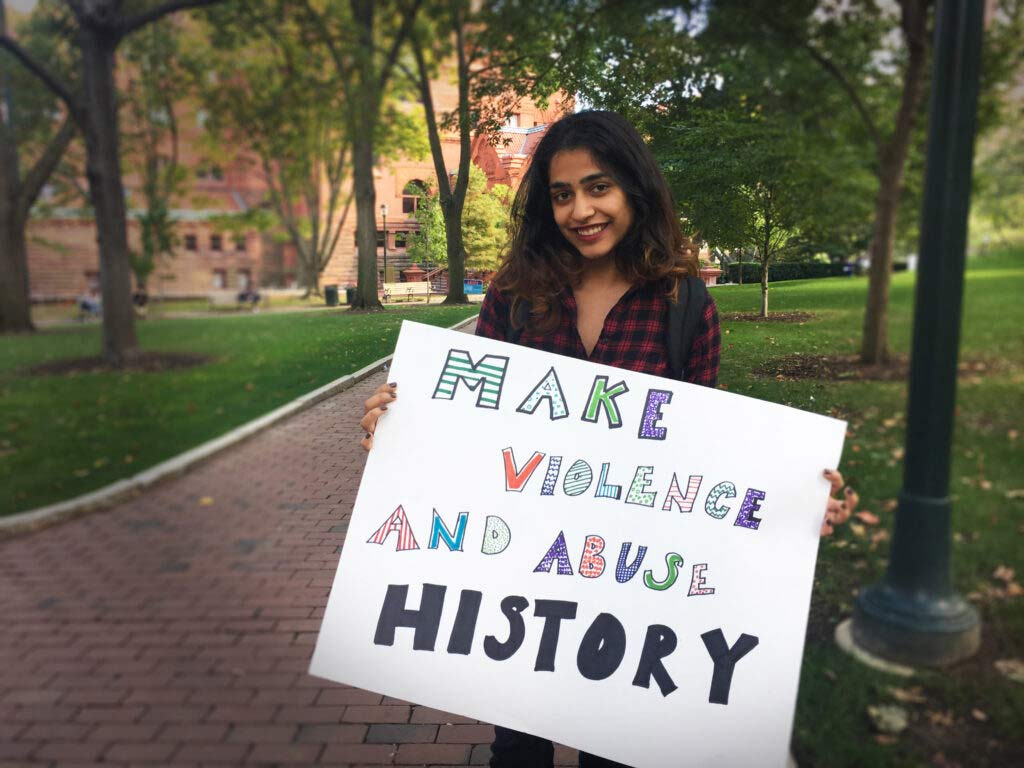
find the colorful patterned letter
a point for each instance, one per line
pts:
(602, 397)
(592, 564)
(649, 429)
(638, 493)
(578, 478)
(438, 531)
(559, 552)
(488, 375)
(624, 572)
(604, 490)
(685, 503)
(554, 465)
(515, 479)
(549, 388)
(497, 536)
(673, 562)
(712, 507)
(396, 524)
(697, 582)
(751, 504)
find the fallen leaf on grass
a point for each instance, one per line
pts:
(879, 536)
(1013, 434)
(830, 674)
(885, 739)
(858, 530)
(888, 718)
(870, 518)
(840, 543)
(940, 719)
(907, 695)
(206, 501)
(890, 505)
(1015, 493)
(979, 715)
(1004, 574)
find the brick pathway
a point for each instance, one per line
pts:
(176, 629)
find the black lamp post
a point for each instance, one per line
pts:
(384, 218)
(914, 616)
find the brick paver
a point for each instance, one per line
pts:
(175, 629)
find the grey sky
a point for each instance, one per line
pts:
(22, 5)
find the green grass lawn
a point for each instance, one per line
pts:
(987, 483)
(64, 435)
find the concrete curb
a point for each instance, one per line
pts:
(101, 498)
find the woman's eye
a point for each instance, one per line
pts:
(600, 189)
(560, 197)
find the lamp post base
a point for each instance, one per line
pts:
(917, 629)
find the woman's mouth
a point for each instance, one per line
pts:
(591, 232)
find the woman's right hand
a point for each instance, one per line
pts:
(373, 409)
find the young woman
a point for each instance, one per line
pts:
(596, 259)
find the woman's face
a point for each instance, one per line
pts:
(590, 208)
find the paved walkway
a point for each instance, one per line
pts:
(176, 629)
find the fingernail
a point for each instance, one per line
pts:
(848, 491)
(367, 435)
(392, 384)
(383, 407)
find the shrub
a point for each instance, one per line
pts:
(783, 271)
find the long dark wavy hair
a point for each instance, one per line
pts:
(540, 263)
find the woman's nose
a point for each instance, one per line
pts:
(582, 208)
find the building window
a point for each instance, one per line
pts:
(217, 173)
(400, 239)
(412, 195)
(512, 121)
(216, 243)
(202, 173)
(191, 243)
(239, 242)
(244, 279)
(220, 279)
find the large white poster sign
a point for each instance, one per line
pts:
(616, 561)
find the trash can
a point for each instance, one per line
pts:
(350, 294)
(331, 295)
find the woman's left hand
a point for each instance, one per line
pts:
(837, 511)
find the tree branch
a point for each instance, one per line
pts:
(44, 167)
(48, 79)
(408, 18)
(837, 74)
(133, 23)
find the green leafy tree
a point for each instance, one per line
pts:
(484, 226)
(32, 144)
(150, 145)
(99, 26)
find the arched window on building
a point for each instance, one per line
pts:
(412, 193)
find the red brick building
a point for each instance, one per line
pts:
(63, 254)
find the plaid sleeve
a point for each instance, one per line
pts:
(494, 314)
(702, 365)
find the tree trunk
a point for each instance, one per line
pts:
(764, 287)
(15, 307)
(891, 162)
(453, 211)
(106, 191)
(364, 121)
(456, 251)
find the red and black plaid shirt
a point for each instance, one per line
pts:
(633, 336)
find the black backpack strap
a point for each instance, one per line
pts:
(518, 317)
(684, 317)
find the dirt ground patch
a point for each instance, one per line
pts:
(145, 362)
(773, 317)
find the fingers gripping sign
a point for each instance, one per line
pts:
(376, 405)
(837, 511)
